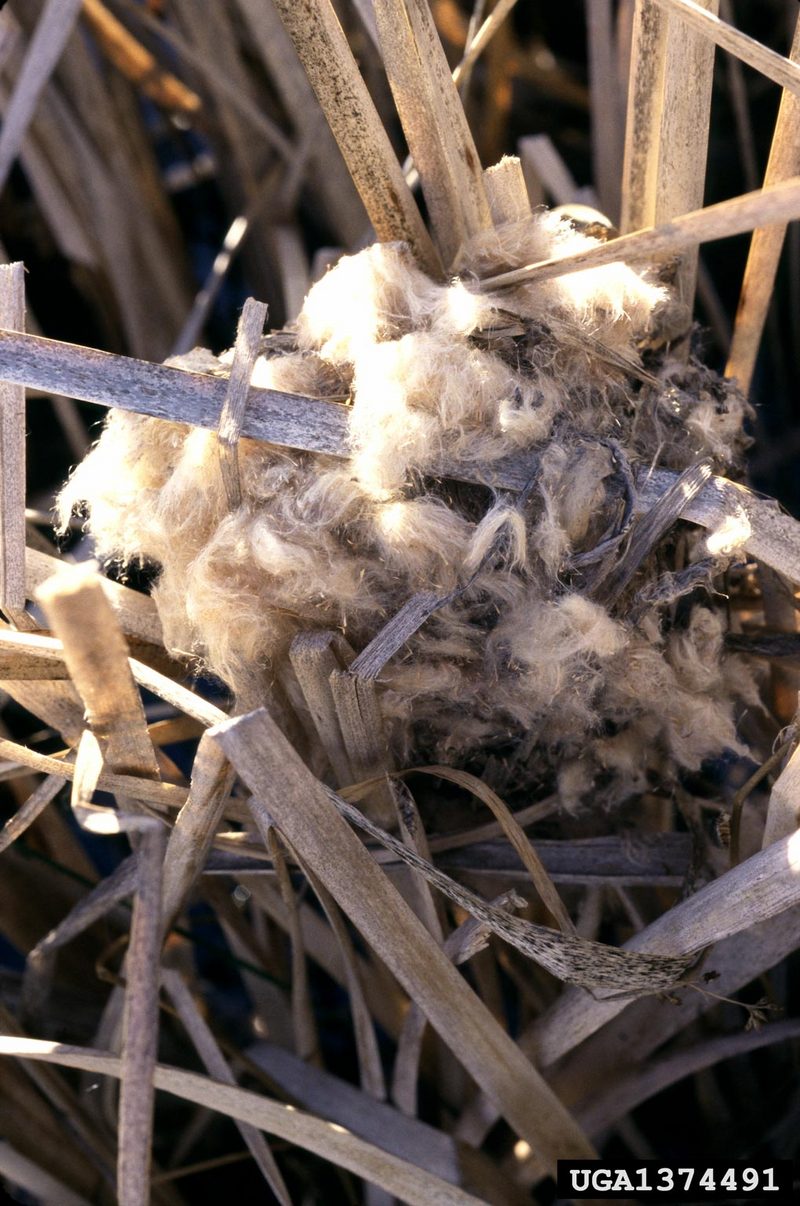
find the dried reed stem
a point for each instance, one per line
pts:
(606, 140)
(707, 24)
(55, 24)
(401, 1177)
(96, 656)
(767, 243)
(136, 63)
(12, 457)
(780, 203)
(324, 52)
(140, 1022)
(245, 353)
(273, 770)
(434, 123)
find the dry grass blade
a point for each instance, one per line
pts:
(195, 825)
(12, 456)
(588, 964)
(35, 804)
(140, 1022)
(423, 901)
(624, 1043)
(137, 63)
(192, 329)
(394, 634)
(767, 244)
(483, 36)
(781, 203)
(343, 1103)
(646, 1026)
(217, 1066)
(273, 770)
(52, 32)
(162, 795)
(333, 1143)
(631, 1091)
(512, 829)
(774, 66)
(764, 886)
(478, 833)
(462, 76)
(306, 1039)
(759, 525)
(434, 124)
(245, 352)
(90, 909)
(176, 694)
(28, 1176)
(136, 613)
(467, 940)
(334, 76)
(97, 658)
(369, 1058)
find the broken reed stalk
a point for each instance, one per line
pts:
(434, 123)
(681, 148)
(96, 656)
(326, 56)
(780, 203)
(643, 118)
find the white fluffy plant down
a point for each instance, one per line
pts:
(527, 674)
